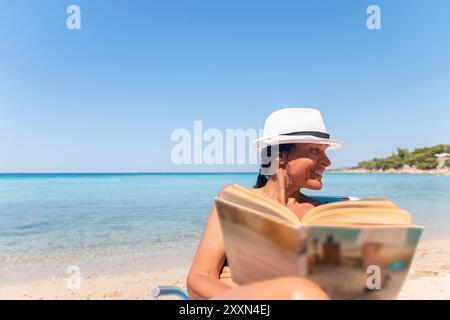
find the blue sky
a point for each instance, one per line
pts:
(107, 97)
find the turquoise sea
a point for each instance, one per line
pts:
(52, 215)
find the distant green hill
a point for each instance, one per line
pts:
(423, 158)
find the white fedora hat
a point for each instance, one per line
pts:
(295, 125)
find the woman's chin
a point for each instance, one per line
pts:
(314, 184)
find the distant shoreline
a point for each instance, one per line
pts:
(404, 170)
(125, 173)
(442, 172)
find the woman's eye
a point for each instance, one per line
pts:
(315, 151)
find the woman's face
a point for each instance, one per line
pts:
(306, 164)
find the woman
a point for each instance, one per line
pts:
(295, 139)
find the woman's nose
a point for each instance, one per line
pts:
(326, 161)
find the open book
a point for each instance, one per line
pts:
(358, 249)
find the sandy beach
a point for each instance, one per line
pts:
(429, 278)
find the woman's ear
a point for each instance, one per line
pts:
(283, 159)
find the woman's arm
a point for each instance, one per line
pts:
(203, 278)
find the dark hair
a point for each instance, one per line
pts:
(262, 179)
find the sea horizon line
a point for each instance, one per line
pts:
(128, 172)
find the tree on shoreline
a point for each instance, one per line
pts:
(421, 158)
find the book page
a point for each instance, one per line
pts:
(356, 216)
(357, 212)
(361, 262)
(239, 195)
(259, 246)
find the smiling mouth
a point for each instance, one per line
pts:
(317, 173)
